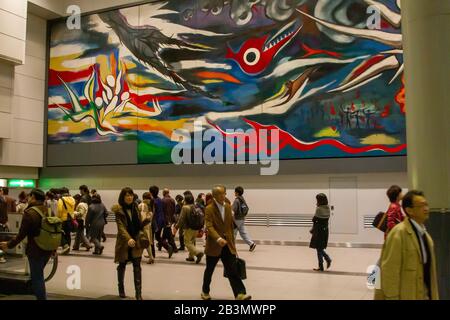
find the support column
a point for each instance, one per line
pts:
(425, 26)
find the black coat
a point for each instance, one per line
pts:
(95, 220)
(319, 239)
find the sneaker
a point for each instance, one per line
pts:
(371, 279)
(205, 296)
(65, 250)
(318, 269)
(199, 258)
(190, 259)
(243, 296)
(2, 260)
(252, 247)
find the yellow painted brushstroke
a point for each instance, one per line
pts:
(56, 63)
(328, 133)
(139, 80)
(133, 122)
(212, 81)
(380, 139)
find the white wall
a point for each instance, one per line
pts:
(22, 92)
(13, 21)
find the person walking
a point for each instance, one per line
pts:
(240, 210)
(319, 231)
(220, 245)
(129, 243)
(95, 222)
(191, 221)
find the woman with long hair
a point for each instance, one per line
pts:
(129, 242)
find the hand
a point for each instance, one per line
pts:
(131, 243)
(4, 245)
(222, 242)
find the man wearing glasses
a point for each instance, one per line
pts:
(408, 262)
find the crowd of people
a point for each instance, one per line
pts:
(407, 266)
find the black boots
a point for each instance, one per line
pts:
(120, 280)
(137, 280)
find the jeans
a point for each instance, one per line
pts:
(80, 237)
(240, 226)
(66, 237)
(322, 254)
(228, 260)
(37, 265)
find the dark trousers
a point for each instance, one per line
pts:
(66, 237)
(80, 238)
(228, 260)
(181, 236)
(167, 233)
(137, 275)
(37, 265)
(320, 255)
(161, 237)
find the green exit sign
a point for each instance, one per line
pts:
(15, 183)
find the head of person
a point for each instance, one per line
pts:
(179, 198)
(23, 197)
(415, 206)
(77, 198)
(146, 196)
(166, 192)
(93, 191)
(187, 192)
(5, 191)
(154, 190)
(394, 193)
(238, 191)
(49, 195)
(84, 189)
(208, 198)
(96, 198)
(126, 197)
(322, 199)
(36, 196)
(219, 194)
(64, 191)
(188, 199)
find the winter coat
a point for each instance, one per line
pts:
(319, 238)
(95, 220)
(123, 252)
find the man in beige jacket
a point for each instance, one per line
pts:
(408, 262)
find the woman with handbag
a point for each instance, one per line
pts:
(95, 222)
(319, 231)
(131, 240)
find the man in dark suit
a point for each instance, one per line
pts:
(220, 244)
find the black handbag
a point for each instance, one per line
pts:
(239, 265)
(380, 221)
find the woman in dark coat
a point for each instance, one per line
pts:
(95, 222)
(129, 246)
(319, 231)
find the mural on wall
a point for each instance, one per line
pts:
(313, 69)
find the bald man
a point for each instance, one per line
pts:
(220, 244)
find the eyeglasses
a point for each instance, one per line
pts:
(423, 205)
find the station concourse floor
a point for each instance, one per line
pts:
(274, 272)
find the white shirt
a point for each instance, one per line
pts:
(221, 209)
(422, 231)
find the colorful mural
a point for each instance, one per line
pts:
(314, 69)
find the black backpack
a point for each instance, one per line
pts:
(196, 218)
(243, 208)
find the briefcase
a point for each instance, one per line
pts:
(240, 268)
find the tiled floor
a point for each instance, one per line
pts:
(274, 272)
